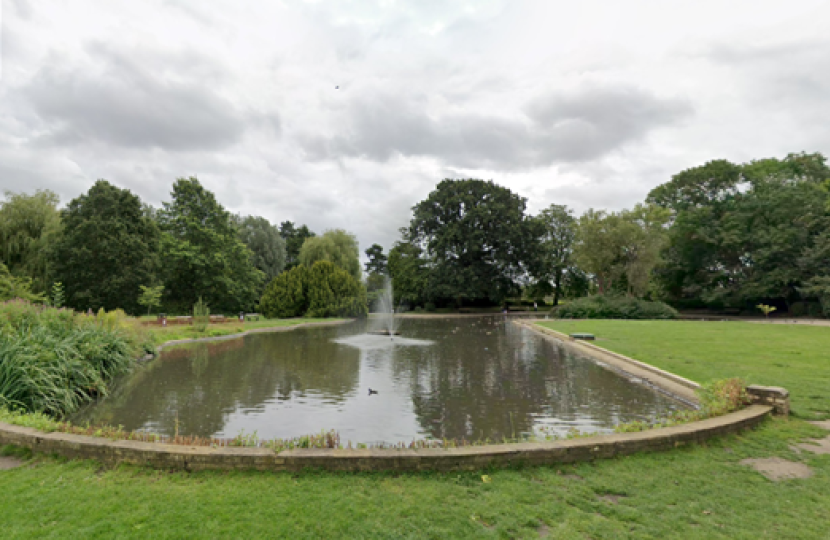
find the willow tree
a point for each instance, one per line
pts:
(335, 246)
(29, 226)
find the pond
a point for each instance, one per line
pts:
(457, 378)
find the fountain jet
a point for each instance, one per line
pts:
(385, 311)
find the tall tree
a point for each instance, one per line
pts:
(622, 247)
(29, 226)
(336, 246)
(294, 238)
(377, 260)
(203, 255)
(554, 252)
(266, 243)
(476, 237)
(108, 249)
(741, 240)
(408, 270)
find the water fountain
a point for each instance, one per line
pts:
(385, 312)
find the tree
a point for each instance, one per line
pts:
(621, 247)
(740, 232)
(377, 260)
(107, 249)
(476, 237)
(264, 240)
(409, 273)
(294, 238)
(150, 296)
(29, 225)
(554, 250)
(203, 255)
(336, 246)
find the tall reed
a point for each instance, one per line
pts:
(55, 360)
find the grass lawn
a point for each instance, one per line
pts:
(183, 331)
(696, 491)
(795, 357)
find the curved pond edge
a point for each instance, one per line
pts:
(194, 458)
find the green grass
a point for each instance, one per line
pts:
(174, 332)
(698, 491)
(795, 357)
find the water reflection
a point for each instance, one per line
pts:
(469, 378)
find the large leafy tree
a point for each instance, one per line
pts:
(266, 243)
(476, 237)
(336, 246)
(203, 255)
(746, 234)
(554, 251)
(294, 238)
(108, 249)
(29, 226)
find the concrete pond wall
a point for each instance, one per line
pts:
(168, 456)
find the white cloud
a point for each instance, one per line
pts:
(591, 104)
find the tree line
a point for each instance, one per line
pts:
(107, 249)
(722, 235)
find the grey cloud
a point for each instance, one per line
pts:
(165, 102)
(794, 75)
(558, 127)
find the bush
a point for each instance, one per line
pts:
(810, 309)
(201, 316)
(55, 360)
(613, 307)
(286, 295)
(325, 290)
(333, 292)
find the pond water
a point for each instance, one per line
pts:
(459, 378)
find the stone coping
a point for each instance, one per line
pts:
(675, 385)
(193, 458)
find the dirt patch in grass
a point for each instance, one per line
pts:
(611, 498)
(825, 424)
(9, 462)
(777, 469)
(816, 446)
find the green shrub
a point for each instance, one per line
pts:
(613, 307)
(286, 295)
(333, 292)
(55, 360)
(201, 316)
(324, 290)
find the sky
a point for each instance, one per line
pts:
(345, 114)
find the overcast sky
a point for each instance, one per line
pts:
(589, 104)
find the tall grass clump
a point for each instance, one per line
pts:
(613, 307)
(54, 360)
(201, 316)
